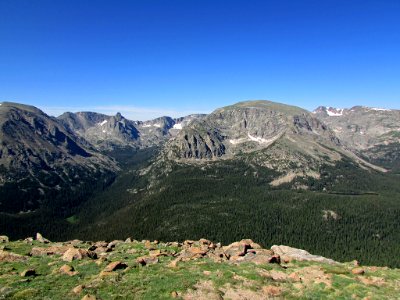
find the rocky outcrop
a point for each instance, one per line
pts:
(6, 256)
(287, 254)
(77, 254)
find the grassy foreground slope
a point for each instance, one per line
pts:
(191, 270)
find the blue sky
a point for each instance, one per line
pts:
(151, 58)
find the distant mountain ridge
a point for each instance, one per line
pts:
(287, 139)
(107, 132)
(39, 155)
(372, 133)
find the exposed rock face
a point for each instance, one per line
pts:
(38, 154)
(287, 139)
(373, 133)
(247, 127)
(107, 132)
(102, 131)
(288, 253)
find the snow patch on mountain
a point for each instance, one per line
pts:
(177, 126)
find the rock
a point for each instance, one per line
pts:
(100, 244)
(78, 289)
(41, 239)
(116, 265)
(114, 243)
(358, 271)
(149, 246)
(288, 253)
(39, 251)
(69, 270)
(101, 250)
(198, 250)
(128, 240)
(294, 277)
(174, 263)
(11, 257)
(4, 239)
(77, 254)
(173, 244)
(147, 260)
(89, 297)
(174, 294)
(355, 263)
(236, 249)
(259, 257)
(28, 272)
(28, 240)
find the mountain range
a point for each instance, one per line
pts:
(98, 176)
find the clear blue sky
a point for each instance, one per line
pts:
(147, 58)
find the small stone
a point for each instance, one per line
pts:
(294, 277)
(89, 297)
(148, 245)
(114, 243)
(69, 270)
(355, 263)
(207, 273)
(147, 260)
(128, 240)
(4, 239)
(358, 271)
(41, 239)
(116, 265)
(28, 240)
(174, 294)
(78, 289)
(28, 272)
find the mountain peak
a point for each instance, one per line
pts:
(329, 111)
(266, 104)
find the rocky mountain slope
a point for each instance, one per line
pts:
(108, 132)
(38, 269)
(39, 156)
(372, 133)
(287, 139)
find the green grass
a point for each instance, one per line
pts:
(159, 281)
